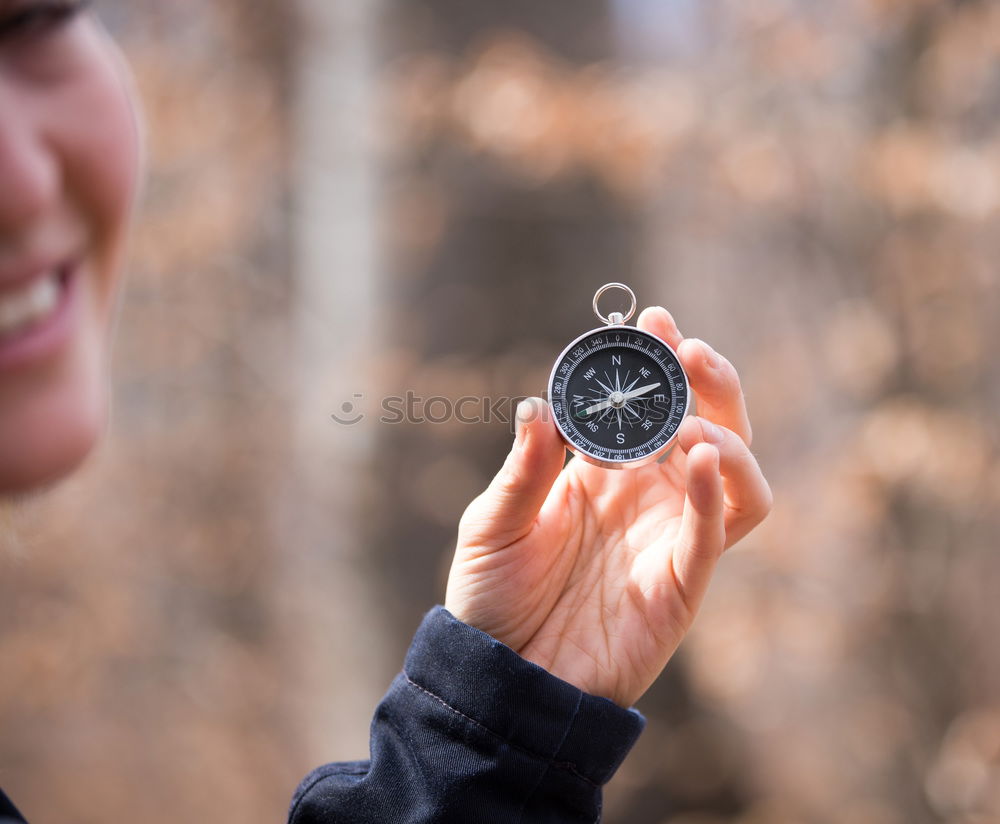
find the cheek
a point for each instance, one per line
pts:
(97, 139)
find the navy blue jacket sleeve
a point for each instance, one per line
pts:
(471, 733)
(8, 812)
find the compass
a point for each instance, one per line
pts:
(618, 394)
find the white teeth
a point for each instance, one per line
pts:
(29, 304)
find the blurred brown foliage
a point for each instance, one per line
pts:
(811, 187)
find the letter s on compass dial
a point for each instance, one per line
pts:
(618, 395)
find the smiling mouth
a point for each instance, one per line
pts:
(32, 304)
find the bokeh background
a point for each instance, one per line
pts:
(352, 200)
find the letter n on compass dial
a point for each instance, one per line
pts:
(619, 395)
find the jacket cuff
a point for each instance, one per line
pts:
(490, 684)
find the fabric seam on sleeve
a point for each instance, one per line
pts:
(541, 778)
(565, 765)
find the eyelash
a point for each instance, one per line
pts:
(40, 19)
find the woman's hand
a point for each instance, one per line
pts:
(595, 574)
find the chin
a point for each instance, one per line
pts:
(53, 422)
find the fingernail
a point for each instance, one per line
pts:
(712, 433)
(522, 415)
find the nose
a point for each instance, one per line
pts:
(29, 168)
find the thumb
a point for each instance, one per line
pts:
(506, 510)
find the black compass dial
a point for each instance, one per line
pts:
(619, 395)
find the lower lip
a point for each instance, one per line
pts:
(43, 340)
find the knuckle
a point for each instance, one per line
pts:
(724, 382)
(767, 502)
(728, 372)
(762, 505)
(706, 549)
(513, 479)
(472, 519)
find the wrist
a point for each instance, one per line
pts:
(487, 681)
(586, 675)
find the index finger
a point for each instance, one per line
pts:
(661, 323)
(713, 378)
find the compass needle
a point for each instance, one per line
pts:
(607, 389)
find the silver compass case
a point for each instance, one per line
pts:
(618, 394)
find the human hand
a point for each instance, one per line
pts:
(596, 575)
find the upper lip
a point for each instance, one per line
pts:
(12, 277)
